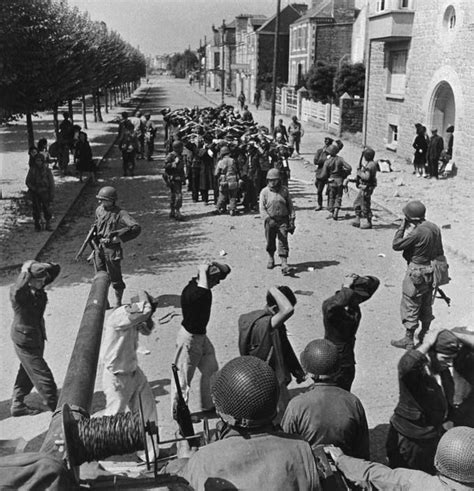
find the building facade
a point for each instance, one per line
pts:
(420, 70)
(324, 33)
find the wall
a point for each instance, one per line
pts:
(333, 42)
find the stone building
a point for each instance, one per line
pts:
(323, 33)
(420, 70)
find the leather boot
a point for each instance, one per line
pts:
(405, 343)
(271, 262)
(118, 298)
(365, 224)
(284, 266)
(172, 213)
(335, 214)
(48, 226)
(356, 222)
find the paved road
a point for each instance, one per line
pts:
(166, 255)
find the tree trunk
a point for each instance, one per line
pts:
(29, 129)
(115, 94)
(84, 112)
(99, 113)
(94, 103)
(55, 120)
(106, 101)
(70, 109)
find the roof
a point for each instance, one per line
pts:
(300, 8)
(258, 20)
(323, 10)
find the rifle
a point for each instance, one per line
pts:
(181, 412)
(330, 477)
(88, 240)
(443, 296)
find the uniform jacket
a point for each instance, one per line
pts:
(276, 203)
(335, 170)
(108, 221)
(367, 175)
(264, 461)
(175, 166)
(421, 245)
(435, 147)
(423, 403)
(371, 475)
(227, 172)
(327, 414)
(319, 160)
(41, 181)
(421, 146)
(28, 309)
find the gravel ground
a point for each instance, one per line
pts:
(166, 255)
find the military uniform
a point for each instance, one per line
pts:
(109, 254)
(175, 178)
(264, 460)
(327, 414)
(334, 171)
(227, 176)
(28, 335)
(319, 160)
(420, 246)
(366, 181)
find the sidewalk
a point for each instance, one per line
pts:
(18, 240)
(448, 201)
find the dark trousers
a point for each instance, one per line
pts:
(150, 148)
(319, 183)
(128, 163)
(34, 372)
(194, 182)
(363, 203)
(345, 377)
(250, 193)
(335, 196)
(176, 195)
(106, 259)
(277, 228)
(411, 453)
(433, 167)
(41, 204)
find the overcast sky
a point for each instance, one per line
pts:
(164, 26)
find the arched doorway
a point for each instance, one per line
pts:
(443, 109)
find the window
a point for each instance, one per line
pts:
(449, 20)
(404, 4)
(392, 139)
(381, 5)
(397, 66)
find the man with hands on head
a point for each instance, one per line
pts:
(28, 334)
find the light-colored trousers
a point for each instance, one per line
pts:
(194, 351)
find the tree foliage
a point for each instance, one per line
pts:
(51, 53)
(350, 78)
(320, 82)
(181, 63)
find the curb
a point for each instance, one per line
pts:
(10, 267)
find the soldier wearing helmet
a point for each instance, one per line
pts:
(124, 384)
(278, 213)
(129, 146)
(341, 318)
(262, 333)
(335, 171)
(426, 402)
(366, 181)
(227, 176)
(113, 226)
(175, 177)
(319, 160)
(250, 452)
(327, 414)
(421, 243)
(454, 464)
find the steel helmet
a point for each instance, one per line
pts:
(333, 149)
(224, 151)
(178, 145)
(273, 174)
(455, 454)
(320, 357)
(108, 193)
(369, 154)
(415, 210)
(245, 392)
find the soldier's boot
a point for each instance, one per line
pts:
(335, 214)
(404, 343)
(271, 262)
(172, 213)
(365, 223)
(284, 266)
(37, 226)
(178, 216)
(356, 222)
(118, 298)
(48, 226)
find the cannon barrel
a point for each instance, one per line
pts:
(78, 386)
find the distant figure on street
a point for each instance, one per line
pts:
(449, 146)
(175, 177)
(241, 100)
(296, 132)
(150, 133)
(280, 132)
(257, 99)
(28, 334)
(83, 157)
(421, 146)
(40, 184)
(318, 161)
(433, 154)
(129, 146)
(247, 115)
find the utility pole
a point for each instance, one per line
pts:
(200, 63)
(275, 64)
(223, 62)
(205, 65)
